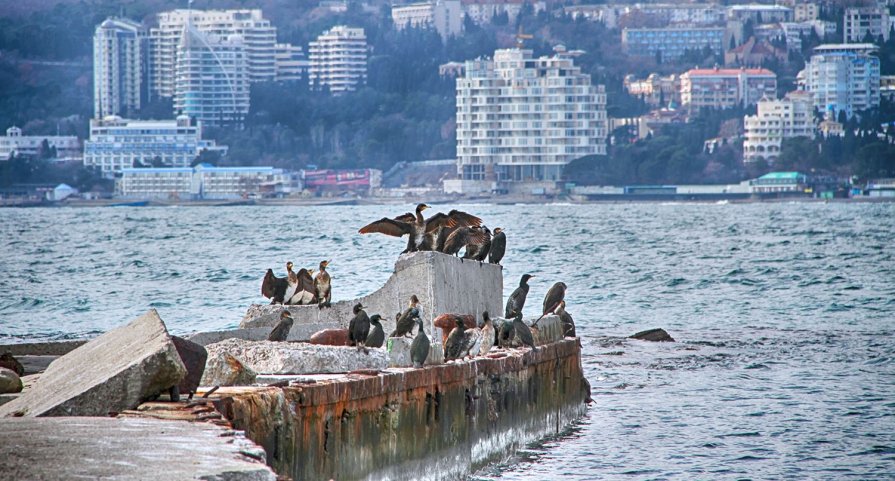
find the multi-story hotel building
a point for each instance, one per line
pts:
(521, 118)
(445, 16)
(482, 11)
(655, 90)
(204, 182)
(776, 120)
(119, 63)
(257, 34)
(671, 42)
(290, 62)
(212, 82)
(721, 88)
(842, 79)
(67, 147)
(338, 60)
(760, 13)
(117, 143)
(860, 21)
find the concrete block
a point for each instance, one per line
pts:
(129, 449)
(399, 352)
(549, 329)
(114, 372)
(10, 382)
(51, 348)
(442, 283)
(266, 357)
(223, 369)
(194, 357)
(37, 363)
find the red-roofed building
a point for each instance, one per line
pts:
(722, 88)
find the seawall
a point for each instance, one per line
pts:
(438, 422)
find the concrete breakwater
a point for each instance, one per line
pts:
(438, 422)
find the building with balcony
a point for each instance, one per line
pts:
(445, 16)
(290, 63)
(119, 66)
(61, 147)
(842, 79)
(673, 42)
(804, 12)
(776, 120)
(721, 88)
(860, 21)
(759, 13)
(522, 119)
(205, 181)
(655, 90)
(338, 60)
(117, 143)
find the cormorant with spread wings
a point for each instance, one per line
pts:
(422, 232)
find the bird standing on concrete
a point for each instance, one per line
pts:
(472, 342)
(506, 334)
(498, 246)
(470, 237)
(568, 325)
(453, 345)
(377, 336)
(422, 232)
(281, 331)
(517, 299)
(419, 348)
(479, 251)
(488, 335)
(323, 286)
(304, 292)
(359, 326)
(273, 287)
(523, 332)
(555, 295)
(405, 322)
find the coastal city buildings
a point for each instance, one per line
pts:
(719, 88)
(119, 64)
(256, 32)
(445, 16)
(671, 43)
(205, 182)
(522, 119)
(760, 13)
(776, 120)
(843, 78)
(289, 61)
(858, 22)
(484, 11)
(804, 12)
(212, 83)
(59, 147)
(117, 143)
(754, 53)
(655, 90)
(338, 60)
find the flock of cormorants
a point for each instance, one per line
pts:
(447, 233)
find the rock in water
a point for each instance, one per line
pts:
(654, 335)
(9, 362)
(223, 369)
(194, 357)
(112, 373)
(9, 381)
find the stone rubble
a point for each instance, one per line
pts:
(222, 369)
(266, 357)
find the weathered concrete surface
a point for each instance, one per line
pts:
(10, 382)
(194, 357)
(399, 352)
(438, 422)
(113, 372)
(442, 283)
(51, 348)
(36, 364)
(210, 337)
(267, 357)
(223, 369)
(126, 449)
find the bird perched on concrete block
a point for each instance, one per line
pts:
(419, 348)
(498, 246)
(281, 331)
(377, 336)
(273, 287)
(472, 342)
(301, 287)
(422, 233)
(523, 332)
(359, 326)
(456, 340)
(479, 251)
(488, 337)
(517, 299)
(323, 286)
(405, 322)
(507, 334)
(568, 325)
(555, 295)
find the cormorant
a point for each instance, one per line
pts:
(555, 295)
(323, 286)
(274, 288)
(281, 331)
(359, 326)
(463, 237)
(480, 250)
(377, 335)
(421, 231)
(419, 348)
(523, 332)
(405, 322)
(517, 299)
(453, 346)
(498, 246)
(488, 334)
(304, 292)
(568, 325)
(507, 333)
(472, 342)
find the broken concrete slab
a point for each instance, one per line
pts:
(127, 449)
(653, 335)
(49, 348)
(114, 372)
(222, 369)
(267, 357)
(10, 382)
(194, 357)
(399, 352)
(36, 364)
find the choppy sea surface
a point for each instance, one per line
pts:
(784, 316)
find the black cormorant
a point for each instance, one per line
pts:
(359, 326)
(479, 251)
(405, 322)
(304, 292)
(469, 237)
(498, 246)
(523, 332)
(377, 335)
(568, 325)
(419, 348)
(323, 286)
(422, 231)
(555, 295)
(281, 331)
(517, 299)
(273, 287)
(453, 345)
(507, 334)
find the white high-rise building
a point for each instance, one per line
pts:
(119, 63)
(842, 80)
(338, 60)
(776, 120)
(67, 147)
(212, 81)
(521, 118)
(445, 16)
(723, 88)
(258, 36)
(858, 22)
(290, 62)
(117, 143)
